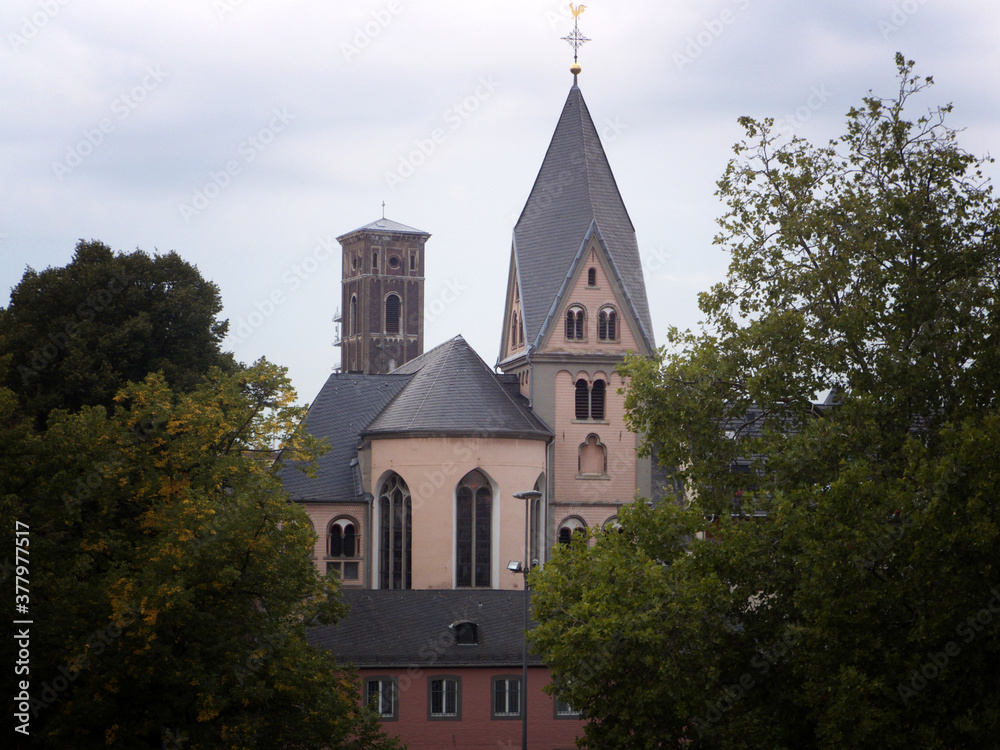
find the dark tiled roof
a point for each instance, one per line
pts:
(387, 628)
(386, 225)
(574, 195)
(453, 392)
(347, 403)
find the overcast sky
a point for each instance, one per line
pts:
(248, 134)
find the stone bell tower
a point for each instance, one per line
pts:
(382, 297)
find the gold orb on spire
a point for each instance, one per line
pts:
(575, 68)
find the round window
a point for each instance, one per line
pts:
(393, 261)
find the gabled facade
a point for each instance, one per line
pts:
(417, 489)
(576, 303)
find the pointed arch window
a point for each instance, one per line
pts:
(352, 324)
(474, 531)
(574, 323)
(392, 308)
(395, 534)
(513, 331)
(607, 324)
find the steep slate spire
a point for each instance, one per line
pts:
(574, 196)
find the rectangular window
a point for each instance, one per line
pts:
(380, 695)
(506, 697)
(444, 697)
(565, 711)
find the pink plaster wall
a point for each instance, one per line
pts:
(621, 444)
(321, 514)
(592, 299)
(432, 468)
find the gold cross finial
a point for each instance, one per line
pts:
(575, 38)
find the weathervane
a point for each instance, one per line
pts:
(576, 39)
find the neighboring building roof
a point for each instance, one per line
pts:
(345, 405)
(402, 628)
(574, 194)
(386, 225)
(454, 392)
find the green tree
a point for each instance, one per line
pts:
(172, 582)
(834, 578)
(77, 334)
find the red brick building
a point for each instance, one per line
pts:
(444, 669)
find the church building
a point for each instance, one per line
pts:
(414, 504)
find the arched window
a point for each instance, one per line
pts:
(392, 313)
(607, 324)
(597, 392)
(592, 277)
(574, 324)
(395, 534)
(513, 331)
(344, 545)
(474, 531)
(352, 324)
(582, 399)
(589, 399)
(592, 459)
(569, 527)
(374, 261)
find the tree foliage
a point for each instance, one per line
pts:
(834, 579)
(172, 583)
(77, 334)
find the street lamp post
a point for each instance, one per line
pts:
(529, 497)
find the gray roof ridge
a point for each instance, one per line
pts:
(420, 361)
(441, 369)
(543, 330)
(624, 289)
(396, 226)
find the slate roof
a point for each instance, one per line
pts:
(574, 195)
(385, 225)
(345, 405)
(401, 628)
(454, 392)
